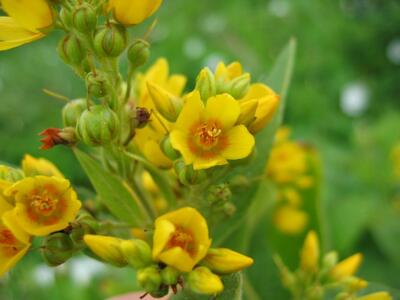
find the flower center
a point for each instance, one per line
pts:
(43, 204)
(183, 239)
(208, 133)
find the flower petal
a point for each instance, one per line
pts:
(30, 14)
(224, 109)
(177, 258)
(240, 143)
(11, 222)
(164, 230)
(191, 112)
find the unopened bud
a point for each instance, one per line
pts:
(169, 275)
(354, 284)
(72, 111)
(110, 40)
(168, 105)
(187, 175)
(226, 261)
(202, 281)
(85, 18)
(205, 84)
(168, 150)
(107, 248)
(57, 249)
(10, 174)
(329, 261)
(149, 279)
(347, 267)
(137, 253)
(66, 17)
(71, 50)
(98, 126)
(84, 224)
(97, 84)
(309, 256)
(138, 53)
(239, 86)
(219, 194)
(162, 291)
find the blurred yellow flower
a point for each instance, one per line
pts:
(226, 261)
(148, 139)
(202, 281)
(347, 267)
(42, 204)
(377, 296)
(310, 253)
(132, 12)
(395, 156)
(181, 239)
(290, 220)
(26, 22)
(13, 243)
(207, 135)
(39, 166)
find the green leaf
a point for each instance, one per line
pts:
(279, 80)
(233, 286)
(115, 194)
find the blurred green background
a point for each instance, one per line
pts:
(344, 99)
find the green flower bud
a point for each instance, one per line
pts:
(168, 150)
(239, 86)
(98, 126)
(110, 40)
(205, 84)
(84, 18)
(219, 194)
(10, 174)
(97, 84)
(187, 175)
(138, 53)
(72, 111)
(329, 261)
(71, 50)
(169, 275)
(137, 253)
(66, 17)
(162, 291)
(57, 249)
(149, 279)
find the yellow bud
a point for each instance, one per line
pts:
(355, 284)
(205, 84)
(132, 12)
(226, 261)
(166, 104)
(247, 111)
(377, 296)
(309, 257)
(137, 253)
(347, 267)
(265, 111)
(107, 248)
(149, 279)
(202, 281)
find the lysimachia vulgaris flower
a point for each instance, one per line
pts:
(133, 12)
(148, 139)
(43, 204)
(14, 242)
(207, 135)
(27, 21)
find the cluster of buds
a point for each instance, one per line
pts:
(294, 168)
(37, 201)
(180, 255)
(316, 275)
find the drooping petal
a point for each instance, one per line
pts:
(224, 109)
(240, 143)
(30, 14)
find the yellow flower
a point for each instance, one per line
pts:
(181, 239)
(148, 139)
(132, 12)
(43, 204)
(377, 296)
(202, 281)
(107, 248)
(13, 243)
(395, 156)
(290, 220)
(347, 267)
(228, 73)
(26, 22)
(39, 166)
(309, 256)
(226, 261)
(207, 136)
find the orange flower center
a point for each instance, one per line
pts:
(208, 134)
(184, 239)
(43, 204)
(8, 243)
